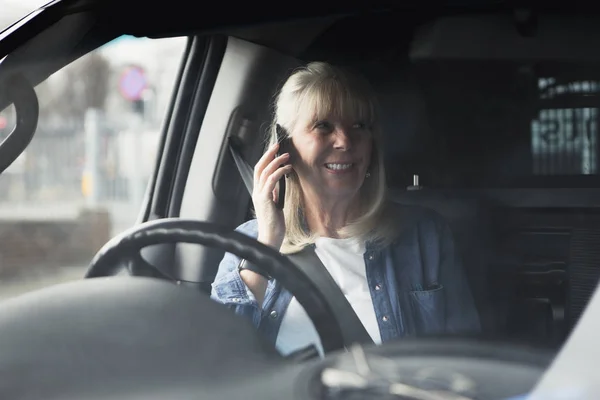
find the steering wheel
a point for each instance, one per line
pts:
(127, 245)
(147, 338)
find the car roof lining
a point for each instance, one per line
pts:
(338, 37)
(342, 34)
(294, 33)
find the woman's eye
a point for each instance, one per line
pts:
(359, 125)
(323, 126)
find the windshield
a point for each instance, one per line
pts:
(446, 190)
(82, 178)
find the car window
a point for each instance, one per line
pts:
(82, 178)
(564, 141)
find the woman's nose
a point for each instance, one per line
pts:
(342, 139)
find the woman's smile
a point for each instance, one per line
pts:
(340, 168)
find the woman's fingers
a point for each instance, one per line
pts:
(267, 172)
(272, 180)
(266, 158)
(272, 167)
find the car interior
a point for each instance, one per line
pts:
(490, 118)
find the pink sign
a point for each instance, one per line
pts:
(132, 83)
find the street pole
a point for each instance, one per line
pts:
(92, 184)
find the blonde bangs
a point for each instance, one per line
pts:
(334, 98)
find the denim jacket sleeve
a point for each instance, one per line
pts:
(228, 287)
(461, 313)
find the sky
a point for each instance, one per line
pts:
(12, 10)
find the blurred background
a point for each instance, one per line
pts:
(83, 177)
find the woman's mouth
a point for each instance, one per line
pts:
(339, 167)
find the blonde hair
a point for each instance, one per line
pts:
(319, 90)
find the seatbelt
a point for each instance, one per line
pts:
(307, 261)
(245, 170)
(352, 328)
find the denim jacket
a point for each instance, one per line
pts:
(417, 283)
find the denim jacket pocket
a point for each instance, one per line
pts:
(429, 310)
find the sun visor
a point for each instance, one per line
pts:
(499, 37)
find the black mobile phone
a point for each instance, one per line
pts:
(283, 140)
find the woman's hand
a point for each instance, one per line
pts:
(271, 224)
(267, 172)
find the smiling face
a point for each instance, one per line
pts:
(330, 116)
(332, 155)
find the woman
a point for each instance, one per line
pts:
(396, 265)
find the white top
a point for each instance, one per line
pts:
(344, 260)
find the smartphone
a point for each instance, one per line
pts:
(283, 140)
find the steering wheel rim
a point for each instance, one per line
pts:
(177, 230)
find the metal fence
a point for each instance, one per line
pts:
(564, 142)
(49, 179)
(564, 137)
